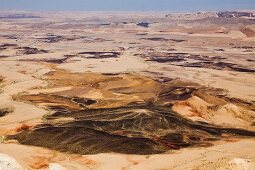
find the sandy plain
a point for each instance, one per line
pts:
(94, 90)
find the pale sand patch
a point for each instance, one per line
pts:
(40, 158)
(48, 90)
(17, 82)
(125, 63)
(219, 157)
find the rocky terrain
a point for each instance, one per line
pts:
(235, 14)
(94, 90)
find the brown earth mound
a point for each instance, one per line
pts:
(131, 114)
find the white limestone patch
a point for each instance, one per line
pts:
(8, 163)
(55, 166)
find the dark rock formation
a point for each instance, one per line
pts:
(143, 24)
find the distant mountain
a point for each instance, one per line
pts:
(250, 15)
(235, 14)
(18, 16)
(198, 15)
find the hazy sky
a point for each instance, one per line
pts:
(128, 5)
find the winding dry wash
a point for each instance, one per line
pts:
(128, 91)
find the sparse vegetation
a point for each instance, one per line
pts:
(5, 111)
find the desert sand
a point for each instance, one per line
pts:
(118, 90)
